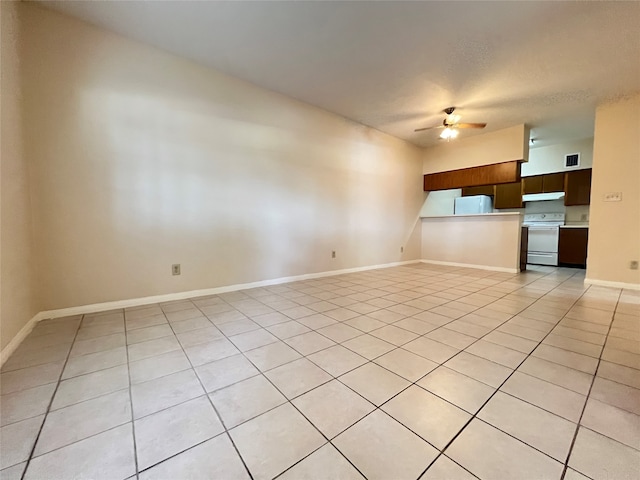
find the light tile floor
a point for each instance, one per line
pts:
(414, 372)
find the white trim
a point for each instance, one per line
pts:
(169, 297)
(470, 265)
(17, 340)
(134, 302)
(607, 283)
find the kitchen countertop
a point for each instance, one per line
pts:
(475, 215)
(586, 225)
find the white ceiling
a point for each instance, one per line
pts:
(395, 65)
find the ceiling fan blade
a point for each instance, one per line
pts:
(469, 125)
(428, 128)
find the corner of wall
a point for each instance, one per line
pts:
(614, 227)
(18, 300)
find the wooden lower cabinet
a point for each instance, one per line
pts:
(572, 246)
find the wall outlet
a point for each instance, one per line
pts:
(401, 249)
(584, 217)
(175, 269)
(613, 197)
(333, 254)
(633, 264)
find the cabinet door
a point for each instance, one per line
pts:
(532, 184)
(508, 195)
(577, 187)
(572, 246)
(484, 190)
(553, 182)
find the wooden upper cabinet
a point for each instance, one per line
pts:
(473, 177)
(508, 195)
(484, 190)
(532, 184)
(577, 187)
(551, 182)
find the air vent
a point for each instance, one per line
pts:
(572, 160)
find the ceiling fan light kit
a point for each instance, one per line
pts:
(451, 125)
(448, 133)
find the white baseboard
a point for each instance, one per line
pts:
(470, 265)
(607, 283)
(169, 297)
(17, 340)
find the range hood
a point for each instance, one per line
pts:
(539, 197)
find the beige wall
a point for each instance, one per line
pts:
(489, 241)
(550, 159)
(17, 298)
(143, 159)
(614, 233)
(495, 147)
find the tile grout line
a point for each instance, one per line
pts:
(413, 383)
(287, 401)
(442, 452)
(504, 294)
(53, 396)
(593, 381)
(260, 327)
(215, 410)
(372, 361)
(133, 423)
(379, 407)
(460, 351)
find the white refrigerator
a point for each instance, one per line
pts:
(473, 205)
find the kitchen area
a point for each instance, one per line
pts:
(551, 198)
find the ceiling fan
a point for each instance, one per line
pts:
(451, 125)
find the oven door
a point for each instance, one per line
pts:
(543, 239)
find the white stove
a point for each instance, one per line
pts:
(544, 230)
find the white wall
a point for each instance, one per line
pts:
(485, 241)
(143, 159)
(550, 159)
(441, 202)
(614, 233)
(18, 302)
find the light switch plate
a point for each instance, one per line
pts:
(613, 197)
